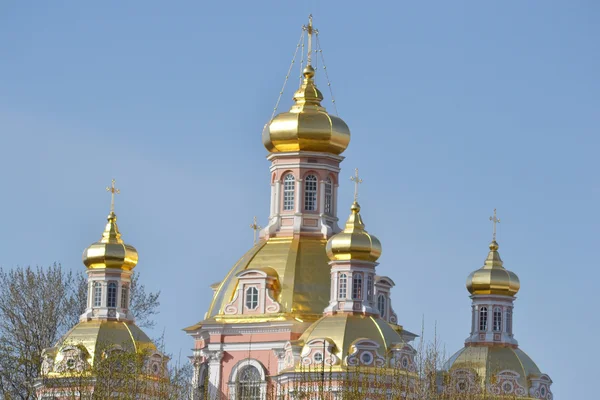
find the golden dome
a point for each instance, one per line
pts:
(111, 251)
(345, 329)
(88, 339)
(488, 361)
(354, 243)
(302, 271)
(307, 126)
(493, 278)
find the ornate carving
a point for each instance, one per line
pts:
(231, 307)
(463, 381)
(507, 383)
(212, 356)
(74, 359)
(365, 352)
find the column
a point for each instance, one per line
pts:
(214, 358)
(272, 210)
(277, 198)
(298, 198)
(321, 208)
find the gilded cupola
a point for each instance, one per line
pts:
(110, 251)
(354, 242)
(307, 126)
(493, 278)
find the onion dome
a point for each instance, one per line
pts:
(354, 243)
(110, 251)
(493, 278)
(307, 126)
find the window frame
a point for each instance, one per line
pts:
(125, 297)
(97, 294)
(111, 294)
(483, 318)
(343, 286)
(497, 319)
(251, 298)
(381, 304)
(311, 183)
(254, 386)
(289, 192)
(328, 207)
(357, 289)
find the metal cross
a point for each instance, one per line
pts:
(357, 181)
(255, 227)
(113, 190)
(309, 28)
(495, 221)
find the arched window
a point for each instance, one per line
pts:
(310, 193)
(97, 294)
(288, 192)
(497, 319)
(124, 297)
(483, 315)
(343, 286)
(381, 305)
(370, 287)
(508, 321)
(248, 384)
(357, 286)
(328, 196)
(111, 299)
(251, 298)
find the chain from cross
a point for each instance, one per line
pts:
(113, 190)
(310, 30)
(255, 227)
(357, 181)
(495, 220)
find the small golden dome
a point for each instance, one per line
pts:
(307, 126)
(111, 251)
(354, 243)
(89, 339)
(345, 329)
(488, 361)
(493, 278)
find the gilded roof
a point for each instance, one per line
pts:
(354, 242)
(487, 361)
(302, 269)
(344, 329)
(99, 335)
(493, 278)
(110, 251)
(307, 126)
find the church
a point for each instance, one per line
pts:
(308, 298)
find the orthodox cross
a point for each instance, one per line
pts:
(310, 30)
(357, 181)
(495, 221)
(255, 227)
(113, 190)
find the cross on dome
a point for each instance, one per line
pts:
(310, 30)
(255, 227)
(113, 190)
(357, 181)
(495, 221)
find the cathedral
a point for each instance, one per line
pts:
(307, 297)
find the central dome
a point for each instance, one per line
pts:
(307, 126)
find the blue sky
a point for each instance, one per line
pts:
(455, 108)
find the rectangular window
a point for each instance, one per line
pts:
(288, 192)
(328, 197)
(310, 193)
(112, 295)
(124, 297)
(97, 294)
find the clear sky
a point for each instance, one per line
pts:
(455, 108)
